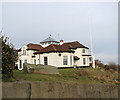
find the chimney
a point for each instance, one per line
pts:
(61, 42)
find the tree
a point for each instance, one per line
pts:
(9, 57)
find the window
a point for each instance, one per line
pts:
(83, 51)
(70, 60)
(49, 42)
(24, 52)
(34, 61)
(90, 59)
(65, 60)
(42, 43)
(45, 61)
(25, 61)
(84, 61)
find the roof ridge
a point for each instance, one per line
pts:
(71, 42)
(49, 39)
(33, 44)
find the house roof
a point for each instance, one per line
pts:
(18, 50)
(66, 47)
(32, 46)
(49, 39)
(54, 48)
(74, 45)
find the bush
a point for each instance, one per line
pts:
(110, 66)
(9, 57)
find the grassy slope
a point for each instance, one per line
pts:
(86, 75)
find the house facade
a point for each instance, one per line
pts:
(52, 52)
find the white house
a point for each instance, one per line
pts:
(52, 52)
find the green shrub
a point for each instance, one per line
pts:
(9, 57)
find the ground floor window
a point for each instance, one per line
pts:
(25, 61)
(84, 61)
(90, 58)
(65, 60)
(45, 61)
(70, 60)
(34, 61)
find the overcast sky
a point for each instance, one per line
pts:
(33, 22)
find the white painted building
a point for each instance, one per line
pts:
(52, 52)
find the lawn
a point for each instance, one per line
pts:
(85, 75)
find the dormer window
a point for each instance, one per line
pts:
(49, 42)
(83, 50)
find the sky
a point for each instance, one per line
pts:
(32, 22)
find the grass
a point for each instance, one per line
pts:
(85, 75)
(9, 80)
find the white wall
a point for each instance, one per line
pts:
(79, 53)
(55, 60)
(28, 57)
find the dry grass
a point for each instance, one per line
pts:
(85, 75)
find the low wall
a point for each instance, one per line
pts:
(57, 90)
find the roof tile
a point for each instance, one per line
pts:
(74, 45)
(54, 48)
(32, 46)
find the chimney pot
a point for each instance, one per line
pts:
(61, 42)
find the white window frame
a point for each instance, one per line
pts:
(46, 61)
(34, 61)
(84, 61)
(83, 50)
(24, 52)
(71, 60)
(65, 60)
(25, 61)
(90, 59)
